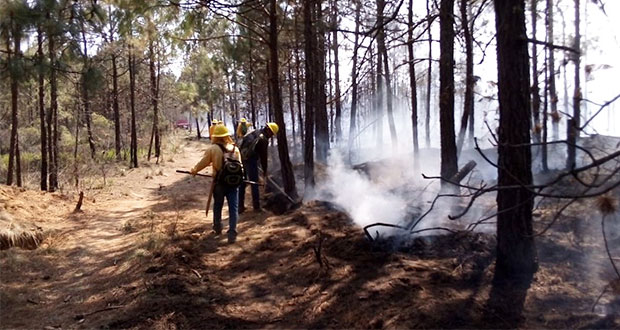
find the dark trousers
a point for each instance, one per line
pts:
(251, 173)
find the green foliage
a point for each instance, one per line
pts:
(29, 137)
(93, 79)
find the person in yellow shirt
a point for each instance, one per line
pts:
(214, 123)
(222, 147)
(242, 128)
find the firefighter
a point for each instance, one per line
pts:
(254, 147)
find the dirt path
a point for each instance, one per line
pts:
(88, 258)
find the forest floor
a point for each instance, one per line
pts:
(141, 255)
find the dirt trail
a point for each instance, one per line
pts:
(88, 254)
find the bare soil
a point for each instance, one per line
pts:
(142, 255)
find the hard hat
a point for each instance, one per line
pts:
(243, 120)
(273, 127)
(215, 121)
(220, 131)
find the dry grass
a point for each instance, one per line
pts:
(13, 234)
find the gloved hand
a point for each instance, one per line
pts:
(193, 172)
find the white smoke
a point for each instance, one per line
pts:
(364, 200)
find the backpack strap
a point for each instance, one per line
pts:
(224, 151)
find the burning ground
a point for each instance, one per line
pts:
(137, 258)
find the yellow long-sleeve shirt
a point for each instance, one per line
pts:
(215, 157)
(240, 134)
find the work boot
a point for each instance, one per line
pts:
(232, 237)
(217, 229)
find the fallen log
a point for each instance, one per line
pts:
(462, 173)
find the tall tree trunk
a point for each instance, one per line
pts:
(535, 88)
(543, 147)
(116, 109)
(516, 253)
(330, 92)
(154, 101)
(132, 98)
(298, 85)
(379, 92)
(76, 173)
(446, 98)
(574, 123)
(338, 102)
(311, 98)
(300, 121)
(252, 105)
(414, 89)
(468, 104)
(551, 79)
(286, 168)
(41, 100)
(291, 101)
(52, 116)
(427, 120)
(85, 96)
(18, 162)
(354, 82)
(381, 48)
(321, 118)
(12, 60)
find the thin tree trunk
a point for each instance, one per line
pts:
(299, 96)
(381, 48)
(543, 147)
(75, 148)
(354, 87)
(14, 98)
(18, 162)
(414, 92)
(132, 93)
(468, 104)
(52, 116)
(575, 122)
(516, 252)
(446, 99)
(309, 49)
(252, 105)
(286, 168)
(291, 101)
(85, 96)
(322, 123)
(551, 79)
(154, 102)
(41, 81)
(298, 84)
(535, 88)
(427, 120)
(338, 123)
(115, 107)
(330, 92)
(379, 93)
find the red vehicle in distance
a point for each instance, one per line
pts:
(182, 123)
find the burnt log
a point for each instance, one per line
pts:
(462, 173)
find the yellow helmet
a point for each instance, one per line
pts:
(273, 127)
(220, 131)
(215, 122)
(243, 120)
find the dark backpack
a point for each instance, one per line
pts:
(231, 174)
(248, 144)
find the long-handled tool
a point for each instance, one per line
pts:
(280, 189)
(209, 199)
(210, 176)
